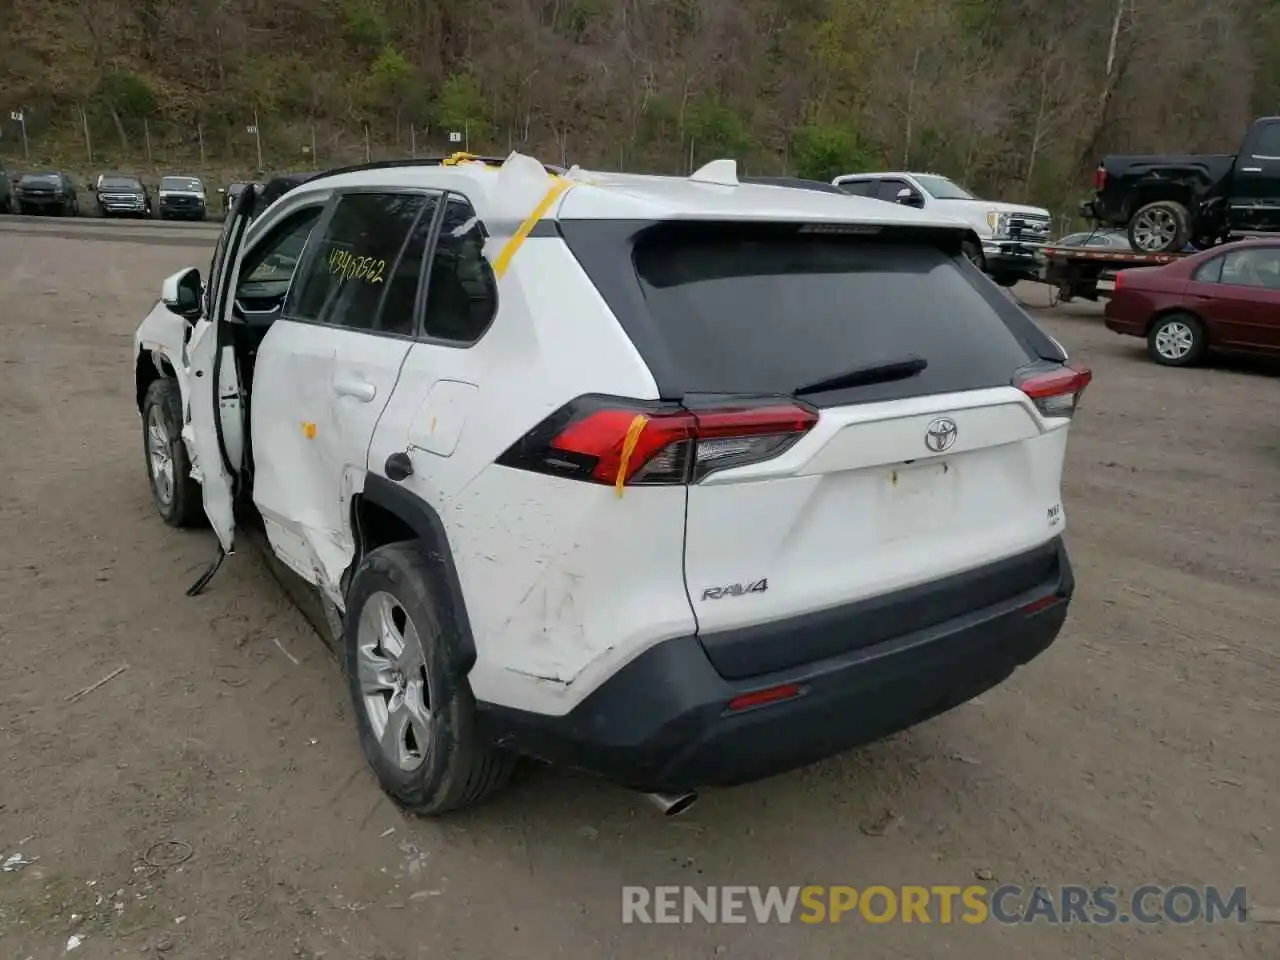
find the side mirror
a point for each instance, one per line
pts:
(180, 293)
(910, 198)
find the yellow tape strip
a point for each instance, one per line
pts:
(503, 260)
(628, 448)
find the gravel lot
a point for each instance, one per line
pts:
(1141, 748)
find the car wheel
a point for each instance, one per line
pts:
(413, 706)
(1177, 340)
(1160, 227)
(177, 497)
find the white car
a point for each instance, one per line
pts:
(1010, 233)
(684, 481)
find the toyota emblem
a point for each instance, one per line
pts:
(940, 435)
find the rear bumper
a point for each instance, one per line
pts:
(662, 722)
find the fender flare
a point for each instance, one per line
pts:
(425, 522)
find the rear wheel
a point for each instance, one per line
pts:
(413, 706)
(1160, 227)
(1177, 340)
(176, 495)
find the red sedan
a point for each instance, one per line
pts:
(1226, 298)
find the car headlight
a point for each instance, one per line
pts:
(998, 222)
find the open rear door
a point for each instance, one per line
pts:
(214, 429)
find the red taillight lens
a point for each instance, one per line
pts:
(1056, 392)
(620, 442)
(1116, 281)
(1100, 177)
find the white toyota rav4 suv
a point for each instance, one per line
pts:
(684, 481)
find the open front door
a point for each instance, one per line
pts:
(214, 429)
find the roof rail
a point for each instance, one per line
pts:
(427, 162)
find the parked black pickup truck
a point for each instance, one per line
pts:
(1167, 202)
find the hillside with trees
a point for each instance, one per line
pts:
(1016, 97)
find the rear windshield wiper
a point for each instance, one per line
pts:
(862, 376)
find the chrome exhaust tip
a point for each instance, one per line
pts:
(672, 804)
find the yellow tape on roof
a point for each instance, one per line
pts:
(503, 260)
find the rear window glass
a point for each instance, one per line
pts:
(776, 311)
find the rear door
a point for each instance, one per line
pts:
(326, 369)
(1255, 193)
(899, 484)
(1246, 302)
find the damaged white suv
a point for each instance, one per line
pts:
(684, 481)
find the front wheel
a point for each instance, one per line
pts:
(176, 496)
(414, 708)
(1177, 340)
(1160, 227)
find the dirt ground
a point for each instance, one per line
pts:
(211, 801)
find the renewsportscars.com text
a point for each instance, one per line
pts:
(938, 904)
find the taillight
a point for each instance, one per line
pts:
(1115, 280)
(631, 443)
(1100, 177)
(1055, 392)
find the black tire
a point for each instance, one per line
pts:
(1177, 340)
(456, 768)
(1160, 227)
(184, 505)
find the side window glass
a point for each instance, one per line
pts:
(1209, 272)
(1258, 267)
(888, 190)
(1268, 142)
(344, 281)
(859, 188)
(397, 314)
(268, 268)
(462, 295)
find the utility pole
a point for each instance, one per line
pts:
(20, 117)
(257, 137)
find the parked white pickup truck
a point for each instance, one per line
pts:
(1010, 233)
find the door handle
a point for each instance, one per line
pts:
(360, 389)
(1250, 169)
